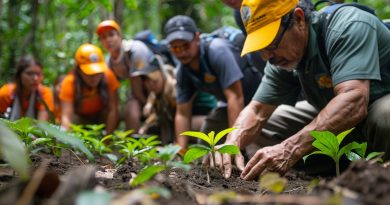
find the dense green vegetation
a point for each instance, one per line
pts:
(53, 29)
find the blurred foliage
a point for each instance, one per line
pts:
(53, 29)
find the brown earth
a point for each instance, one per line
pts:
(362, 183)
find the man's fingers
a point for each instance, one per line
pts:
(218, 161)
(252, 162)
(227, 166)
(240, 162)
(254, 171)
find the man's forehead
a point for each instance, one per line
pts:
(179, 42)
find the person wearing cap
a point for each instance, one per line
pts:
(349, 85)
(216, 71)
(89, 92)
(26, 96)
(160, 81)
(125, 57)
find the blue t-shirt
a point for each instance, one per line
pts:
(217, 74)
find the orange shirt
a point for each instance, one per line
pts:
(7, 95)
(91, 102)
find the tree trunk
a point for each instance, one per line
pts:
(29, 41)
(13, 10)
(118, 11)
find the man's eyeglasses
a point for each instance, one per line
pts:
(178, 49)
(275, 43)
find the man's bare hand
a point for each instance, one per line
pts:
(223, 162)
(277, 158)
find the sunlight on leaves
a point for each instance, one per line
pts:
(147, 174)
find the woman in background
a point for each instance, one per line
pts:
(26, 96)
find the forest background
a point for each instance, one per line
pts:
(52, 30)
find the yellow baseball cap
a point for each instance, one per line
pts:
(262, 19)
(90, 59)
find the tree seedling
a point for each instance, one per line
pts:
(196, 151)
(329, 144)
(165, 156)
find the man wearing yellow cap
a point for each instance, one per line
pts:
(349, 84)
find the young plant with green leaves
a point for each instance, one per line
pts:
(142, 149)
(329, 144)
(166, 160)
(197, 151)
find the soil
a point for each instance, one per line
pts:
(362, 183)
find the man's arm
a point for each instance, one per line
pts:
(235, 101)
(343, 112)
(112, 115)
(183, 122)
(137, 89)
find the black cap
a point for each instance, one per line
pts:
(153, 66)
(180, 28)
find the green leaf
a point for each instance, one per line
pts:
(180, 165)
(348, 148)
(168, 152)
(199, 135)
(321, 146)
(341, 136)
(229, 149)
(362, 150)
(199, 146)
(41, 141)
(327, 138)
(222, 134)
(66, 138)
(108, 137)
(211, 137)
(14, 152)
(146, 174)
(273, 182)
(112, 157)
(373, 155)
(319, 152)
(194, 153)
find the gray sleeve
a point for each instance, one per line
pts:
(140, 55)
(224, 63)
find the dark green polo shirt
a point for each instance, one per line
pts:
(358, 47)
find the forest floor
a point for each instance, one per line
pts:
(66, 177)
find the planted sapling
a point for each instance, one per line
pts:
(197, 151)
(329, 144)
(165, 157)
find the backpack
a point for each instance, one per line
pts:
(235, 38)
(157, 47)
(326, 17)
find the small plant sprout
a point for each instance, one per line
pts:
(329, 144)
(165, 157)
(196, 151)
